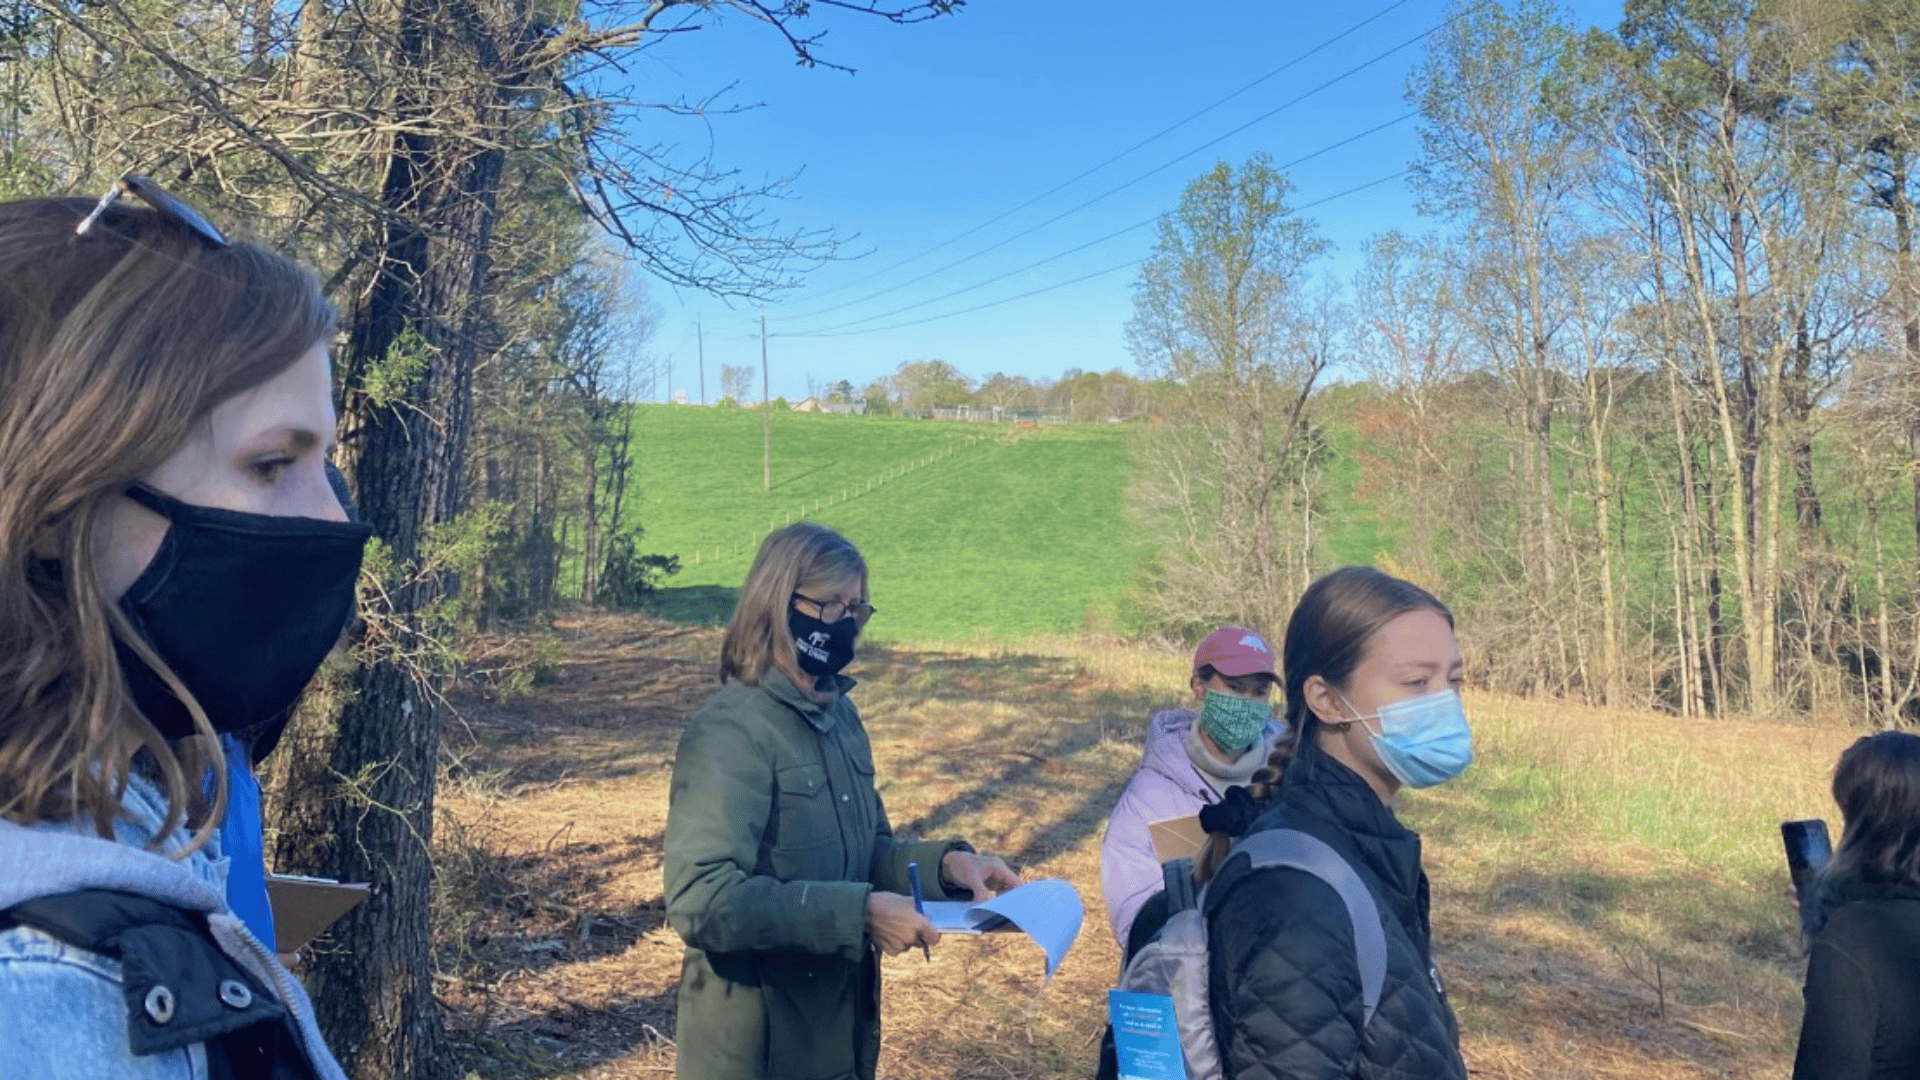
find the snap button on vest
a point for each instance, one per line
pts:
(235, 993)
(160, 1005)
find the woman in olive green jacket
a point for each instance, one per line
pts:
(782, 873)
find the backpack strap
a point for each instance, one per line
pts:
(1296, 850)
(1177, 874)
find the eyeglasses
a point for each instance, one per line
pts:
(167, 205)
(832, 611)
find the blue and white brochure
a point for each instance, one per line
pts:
(1048, 911)
(1146, 1036)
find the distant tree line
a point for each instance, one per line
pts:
(1084, 396)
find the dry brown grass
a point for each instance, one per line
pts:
(1607, 902)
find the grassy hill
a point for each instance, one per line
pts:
(971, 531)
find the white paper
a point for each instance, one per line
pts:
(1048, 911)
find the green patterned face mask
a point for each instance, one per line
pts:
(1233, 723)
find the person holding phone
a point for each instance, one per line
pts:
(1862, 917)
(782, 872)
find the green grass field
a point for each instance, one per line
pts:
(980, 532)
(972, 531)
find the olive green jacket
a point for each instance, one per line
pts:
(775, 836)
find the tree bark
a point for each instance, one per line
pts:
(365, 813)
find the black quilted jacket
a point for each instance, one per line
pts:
(1285, 985)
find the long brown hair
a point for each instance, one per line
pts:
(1327, 635)
(1877, 787)
(114, 348)
(805, 557)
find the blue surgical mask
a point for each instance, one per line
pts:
(1423, 740)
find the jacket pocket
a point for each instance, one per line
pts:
(806, 832)
(813, 1018)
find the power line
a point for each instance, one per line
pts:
(983, 283)
(1262, 118)
(1072, 281)
(1155, 137)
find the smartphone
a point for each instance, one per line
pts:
(1808, 849)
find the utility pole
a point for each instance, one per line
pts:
(766, 410)
(700, 336)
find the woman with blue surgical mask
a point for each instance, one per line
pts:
(1372, 674)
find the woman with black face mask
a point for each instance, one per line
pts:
(783, 875)
(173, 568)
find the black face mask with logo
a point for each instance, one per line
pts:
(822, 648)
(243, 608)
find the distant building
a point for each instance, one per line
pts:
(810, 404)
(848, 408)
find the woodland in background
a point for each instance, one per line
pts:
(1652, 393)
(1644, 407)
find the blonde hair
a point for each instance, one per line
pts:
(114, 348)
(805, 557)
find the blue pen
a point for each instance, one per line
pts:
(919, 905)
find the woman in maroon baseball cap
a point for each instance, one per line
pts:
(1192, 756)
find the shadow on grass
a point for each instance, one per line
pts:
(694, 605)
(1064, 714)
(614, 709)
(572, 1036)
(501, 911)
(543, 923)
(792, 480)
(1675, 971)
(1661, 910)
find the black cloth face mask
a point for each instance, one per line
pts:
(243, 607)
(822, 648)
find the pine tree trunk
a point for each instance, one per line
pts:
(364, 812)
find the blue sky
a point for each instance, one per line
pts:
(948, 125)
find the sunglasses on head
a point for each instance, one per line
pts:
(167, 205)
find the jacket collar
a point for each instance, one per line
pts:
(1847, 890)
(822, 716)
(1322, 790)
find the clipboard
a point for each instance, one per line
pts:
(304, 907)
(1176, 838)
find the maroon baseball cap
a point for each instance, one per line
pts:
(1235, 650)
